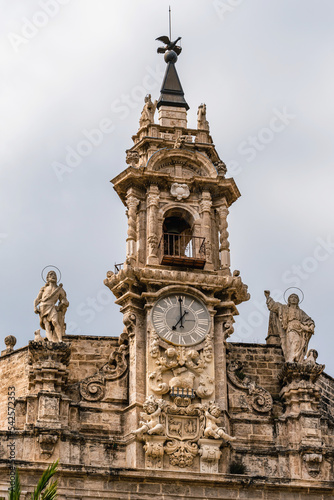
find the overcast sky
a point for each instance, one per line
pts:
(265, 71)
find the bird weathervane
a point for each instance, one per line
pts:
(169, 45)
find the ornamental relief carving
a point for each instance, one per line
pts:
(93, 388)
(178, 429)
(258, 398)
(186, 371)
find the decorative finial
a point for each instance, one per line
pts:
(171, 50)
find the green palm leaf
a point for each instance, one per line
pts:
(43, 484)
(50, 492)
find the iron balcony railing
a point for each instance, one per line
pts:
(182, 250)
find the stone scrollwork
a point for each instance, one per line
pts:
(260, 399)
(228, 329)
(93, 388)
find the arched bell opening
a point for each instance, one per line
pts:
(178, 245)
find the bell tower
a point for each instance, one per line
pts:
(175, 289)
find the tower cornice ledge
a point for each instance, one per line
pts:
(141, 178)
(229, 289)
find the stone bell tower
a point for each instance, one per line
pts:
(176, 289)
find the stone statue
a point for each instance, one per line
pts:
(147, 115)
(294, 327)
(212, 430)
(51, 304)
(151, 423)
(202, 122)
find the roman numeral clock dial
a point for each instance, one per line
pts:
(181, 319)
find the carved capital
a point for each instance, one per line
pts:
(132, 202)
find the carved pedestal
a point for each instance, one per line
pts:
(210, 454)
(301, 420)
(47, 408)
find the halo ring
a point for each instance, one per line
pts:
(53, 268)
(294, 288)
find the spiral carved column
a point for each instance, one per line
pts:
(132, 203)
(205, 210)
(224, 246)
(152, 217)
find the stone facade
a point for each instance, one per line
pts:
(171, 408)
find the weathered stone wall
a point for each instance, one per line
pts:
(326, 385)
(144, 485)
(88, 354)
(261, 362)
(14, 369)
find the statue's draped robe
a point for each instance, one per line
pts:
(49, 311)
(288, 321)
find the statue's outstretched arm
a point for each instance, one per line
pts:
(271, 304)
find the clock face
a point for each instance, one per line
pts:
(181, 319)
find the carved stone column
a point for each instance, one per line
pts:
(224, 246)
(132, 203)
(205, 211)
(152, 217)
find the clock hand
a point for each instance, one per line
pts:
(180, 320)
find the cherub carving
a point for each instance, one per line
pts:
(212, 429)
(151, 419)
